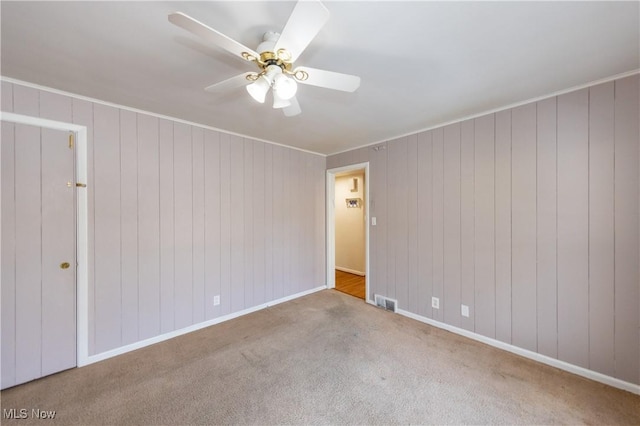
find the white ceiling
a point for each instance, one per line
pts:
(421, 63)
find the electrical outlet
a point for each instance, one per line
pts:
(435, 303)
(464, 310)
(216, 300)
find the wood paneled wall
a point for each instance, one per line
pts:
(178, 214)
(530, 216)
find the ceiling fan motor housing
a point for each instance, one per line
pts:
(268, 56)
(269, 40)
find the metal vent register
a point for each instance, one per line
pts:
(386, 303)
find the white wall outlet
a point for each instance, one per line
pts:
(373, 221)
(435, 303)
(464, 310)
(216, 300)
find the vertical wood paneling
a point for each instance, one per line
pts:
(183, 225)
(303, 255)
(380, 199)
(320, 229)
(485, 274)
(237, 224)
(167, 230)
(26, 101)
(28, 254)
(129, 225)
(258, 243)
(467, 222)
(108, 294)
(503, 225)
(212, 221)
(451, 225)
(412, 223)
(149, 232)
(225, 223)
(307, 191)
(523, 198)
(627, 352)
(6, 90)
(296, 256)
(601, 229)
(307, 222)
(198, 296)
(397, 189)
(372, 279)
(247, 242)
(392, 220)
(546, 229)
(55, 107)
(269, 221)
(316, 212)
(83, 115)
(288, 232)
(573, 228)
(438, 222)
(278, 223)
(8, 265)
(425, 223)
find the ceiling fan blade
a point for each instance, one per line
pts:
(209, 34)
(329, 79)
(293, 109)
(230, 83)
(306, 20)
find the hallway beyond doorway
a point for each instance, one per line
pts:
(351, 284)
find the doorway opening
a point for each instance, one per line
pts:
(347, 230)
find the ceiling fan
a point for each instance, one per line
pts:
(274, 58)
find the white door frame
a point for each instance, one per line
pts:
(331, 222)
(82, 248)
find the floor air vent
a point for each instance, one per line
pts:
(386, 303)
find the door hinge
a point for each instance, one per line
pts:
(71, 140)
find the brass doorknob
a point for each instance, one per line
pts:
(64, 265)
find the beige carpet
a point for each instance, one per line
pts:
(327, 358)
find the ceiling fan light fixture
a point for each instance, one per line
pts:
(279, 102)
(258, 89)
(284, 86)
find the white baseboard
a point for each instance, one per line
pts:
(166, 336)
(562, 365)
(350, 271)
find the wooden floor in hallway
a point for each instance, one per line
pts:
(351, 284)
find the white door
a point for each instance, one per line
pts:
(38, 253)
